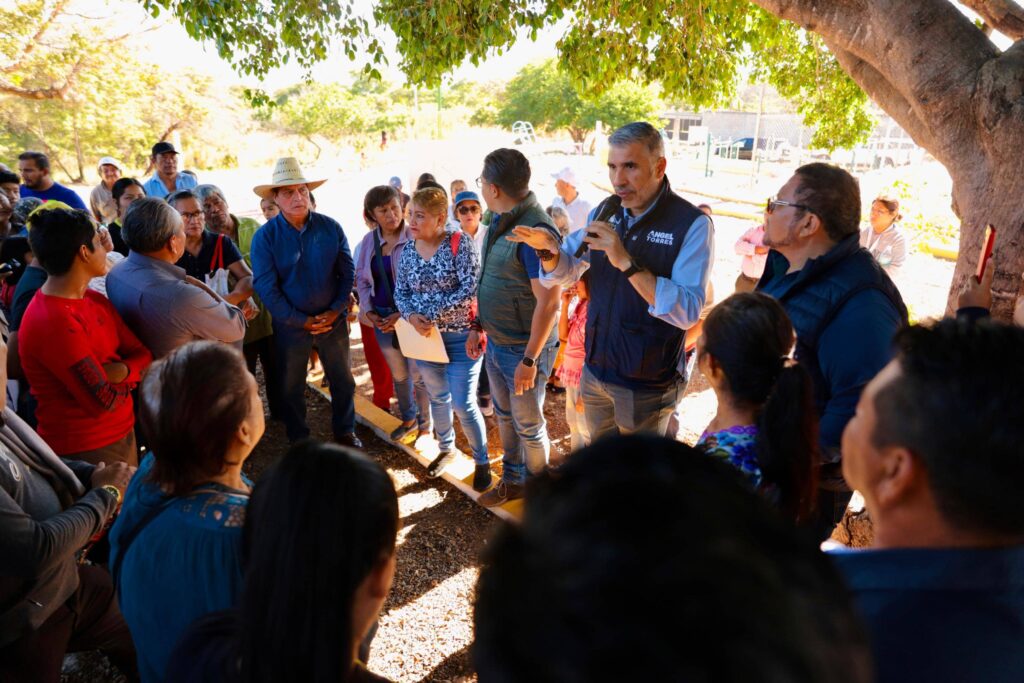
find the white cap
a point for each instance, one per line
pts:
(566, 174)
(112, 161)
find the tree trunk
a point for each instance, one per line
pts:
(577, 134)
(79, 156)
(942, 79)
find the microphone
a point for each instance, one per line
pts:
(609, 207)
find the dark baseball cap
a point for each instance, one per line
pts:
(164, 148)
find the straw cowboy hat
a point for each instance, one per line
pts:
(286, 172)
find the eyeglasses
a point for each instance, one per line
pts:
(190, 215)
(773, 203)
(481, 181)
(469, 209)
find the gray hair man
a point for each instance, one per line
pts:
(650, 254)
(158, 301)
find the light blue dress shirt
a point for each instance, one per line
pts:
(677, 300)
(155, 187)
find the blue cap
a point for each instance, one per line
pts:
(395, 182)
(466, 195)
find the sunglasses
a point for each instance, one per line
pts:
(774, 203)
(469, 209)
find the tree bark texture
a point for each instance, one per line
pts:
(941, 78)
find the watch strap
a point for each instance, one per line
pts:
(114, 491)
(529, 362)
(633, 269)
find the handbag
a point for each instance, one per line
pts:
(217, 275)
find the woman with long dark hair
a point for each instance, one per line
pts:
(319, 552)
(766, 425)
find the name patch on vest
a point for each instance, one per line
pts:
(665, 238)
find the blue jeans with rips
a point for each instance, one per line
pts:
(524, 433)
(293, 346)
(452, 388)
(413, 401)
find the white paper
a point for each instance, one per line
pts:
(415, 345)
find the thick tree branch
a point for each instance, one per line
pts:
(932, 61)
(55, 92)
(44, 26)
(1005, 16)
(884, 94)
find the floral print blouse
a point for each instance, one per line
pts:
(443, 288)
(738, 447)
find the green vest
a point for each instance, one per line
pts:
(260, 326)
(504, 297)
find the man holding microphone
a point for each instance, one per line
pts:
(650, 259)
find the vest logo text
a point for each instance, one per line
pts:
(665, 238)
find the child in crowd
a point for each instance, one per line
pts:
(572, 332)
(766, 425)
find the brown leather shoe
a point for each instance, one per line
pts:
(501, 494)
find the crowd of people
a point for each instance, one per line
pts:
(134, 328)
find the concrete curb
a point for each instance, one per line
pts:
(459, 474)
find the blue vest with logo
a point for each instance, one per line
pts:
(626, 345)
(819, 293)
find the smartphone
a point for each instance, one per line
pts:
(986, 250)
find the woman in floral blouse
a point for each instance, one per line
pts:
(766, 425)
(435, 292)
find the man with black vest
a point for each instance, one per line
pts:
(649, 264)
(845, 309)
(518, 316)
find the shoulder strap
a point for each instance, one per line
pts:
(456, 240)
(217, 262)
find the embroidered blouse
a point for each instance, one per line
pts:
(443, 288)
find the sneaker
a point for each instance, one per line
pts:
(406, 433)
(482, 478)
(501, 494)
(442, 461)
(486, 406)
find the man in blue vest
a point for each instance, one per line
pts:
(845, 309)
(649, 265)
(518, 316)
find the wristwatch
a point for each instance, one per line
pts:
(529, 362)
(633, 269)
(114, 491)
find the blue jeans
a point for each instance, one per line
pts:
(413, 401)
(293, 346)
(453, 385)
(524, 434)
(611, 409)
